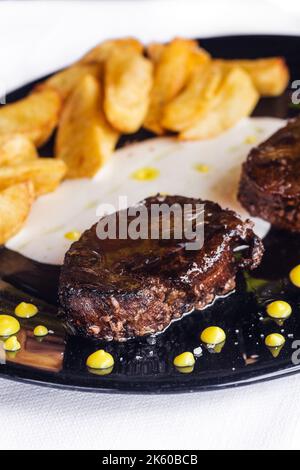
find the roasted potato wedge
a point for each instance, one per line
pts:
(170, 76)
(127, 86)
(186, 109)
(65, 81)
(236, 98)
(199, 56)
(45, 173)
(15, 205)
(102, 51)
(155, 50)
(85, 139)
(16, 149)
(270, 76)
(35, 116)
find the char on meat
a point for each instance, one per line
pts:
(270, 181)
(117, 289)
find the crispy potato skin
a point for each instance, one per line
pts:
(102, 51)
(171, 72)
(16, 149)
(85, 139)
(35, 116)
(270, 76)
(186, 109)
(15, 205)
(127, 85)
(236, 98)
(45, 174)
(66, 80)
(154, 51)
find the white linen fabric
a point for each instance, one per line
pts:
(37, 38)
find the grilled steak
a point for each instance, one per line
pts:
(270, 180)
(116, 289)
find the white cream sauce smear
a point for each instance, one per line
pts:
(203, 169)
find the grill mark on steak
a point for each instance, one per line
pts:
(120, 289)
(270, 180)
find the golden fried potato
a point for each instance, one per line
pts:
(45, 173)
(35, 116)
(15, 205)
(236, 98)
(270, 76)
(65, 81)
(15, 149)
(127, 86)
(186, 109)
(155, 50)
(85, 139)
(170, 75)
(102, 51)
(198, 56)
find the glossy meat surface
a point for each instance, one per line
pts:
(122, 288)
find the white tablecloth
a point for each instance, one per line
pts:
(36, 38)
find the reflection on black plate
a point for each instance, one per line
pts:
(147, 365)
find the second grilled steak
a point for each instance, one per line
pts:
(116, 289)
(270, 181)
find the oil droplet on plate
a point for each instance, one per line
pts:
(145, 174)
(201, 168)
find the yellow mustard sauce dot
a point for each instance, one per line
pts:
(185, 370)
(73, 236)
(25, 310)
(145, 174)
(213, 335)
(185, 359)
(8, 325)
(40, 330)
(279, 309)
(201, 168)
(250, 139)
(274, 340)
(12, 344)
(295, 276)
(100, 360)
(101, 371)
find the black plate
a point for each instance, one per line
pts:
(146, 365)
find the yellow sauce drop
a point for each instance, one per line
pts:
(8, 325)
(275, 343)
(250, 139)
(73, 236)
(186, 359)
(40, 331)
(295, 276)
(12, 344)
(101, 371)
(26, 310)
(145, 174)
(100, 360)
(201, 168)
(213, 335)
(185, 370)
(274, 340)
(279, 309)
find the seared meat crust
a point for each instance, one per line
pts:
(270, 181)
(119, 289)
